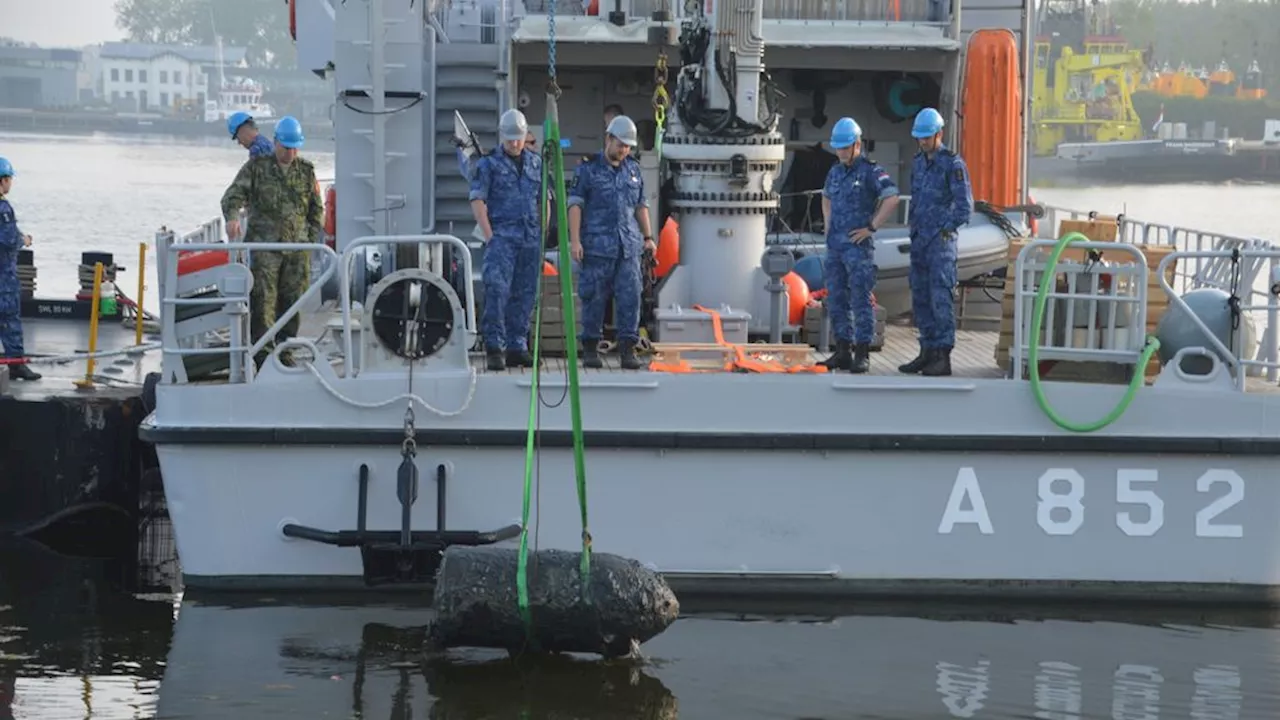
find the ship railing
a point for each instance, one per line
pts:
(233, 282)
(1131, 230)
(1249, 263)
(1095, 310)
(184, 337)
(906, 11)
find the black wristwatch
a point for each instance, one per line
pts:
(871, 226)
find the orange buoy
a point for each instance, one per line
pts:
(991, 139)
(331, 211)
(594, 8)
(197, 260)
(1033, 223)
(668, 255)
(549, 270)
(798, 291)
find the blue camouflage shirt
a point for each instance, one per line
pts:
(10, 244)
(510, 187)
(609, 197)
(941, 197)
(261, 147)
(855, 190)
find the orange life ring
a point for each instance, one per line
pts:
(197, 260)
(668, 254)
(798, 292)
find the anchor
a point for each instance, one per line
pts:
(411, 322)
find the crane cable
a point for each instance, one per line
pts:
(557, 193)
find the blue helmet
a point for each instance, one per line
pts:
(236, 120)
(845, 133)
(289, 132)
(928, 123)
(6, 168)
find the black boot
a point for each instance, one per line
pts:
(940, 365)
(861, 358)
(915, 366)
(842, 359)
(627, 355)
(494, 360)
(22, 372)
(591, 354)
(519, 358)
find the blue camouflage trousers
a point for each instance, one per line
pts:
(933, 280)
(510, 278)
(849, 272)
(615, 276)
(11, 318)
(11, 335)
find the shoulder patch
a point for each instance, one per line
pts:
(6, 217)
(958, 174)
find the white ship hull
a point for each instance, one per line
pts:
(912, 497)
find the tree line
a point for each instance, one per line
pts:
(259, 26)
(1204, 33)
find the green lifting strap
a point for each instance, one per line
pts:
(557, 192)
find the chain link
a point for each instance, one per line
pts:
(409, 448)
(553, 88)
(661, 100)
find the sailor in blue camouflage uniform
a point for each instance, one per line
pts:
(244, 130)
(609, 232)
(12, 240)
(505, 188)
(857, 198)
(941, 202)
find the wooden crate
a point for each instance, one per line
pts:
(554, 343)
(1157, 300)
(1100, 229)
(712, 356)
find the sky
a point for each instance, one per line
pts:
(59, 23)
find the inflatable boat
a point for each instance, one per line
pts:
(983, 247)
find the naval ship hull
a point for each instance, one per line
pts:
(861, 485)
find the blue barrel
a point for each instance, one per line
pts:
(809, 268)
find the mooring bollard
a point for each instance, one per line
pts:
(87, 382)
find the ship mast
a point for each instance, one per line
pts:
(724, 152)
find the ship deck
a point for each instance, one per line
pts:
(973, 356)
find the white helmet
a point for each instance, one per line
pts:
(512, 126)
(624, 129)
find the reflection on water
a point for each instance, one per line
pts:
(73, 646)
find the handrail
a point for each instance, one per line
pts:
(344, 280)
(1026, 261)
(235, 347)
(1234, 361)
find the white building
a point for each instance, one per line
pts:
(161, 78)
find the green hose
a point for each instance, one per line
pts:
(1033, 351)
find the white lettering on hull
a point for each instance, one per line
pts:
(1060, 694)
(1060, 507)
(1135, 693)
(963, 688)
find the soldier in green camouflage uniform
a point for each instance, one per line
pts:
(282, 195)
